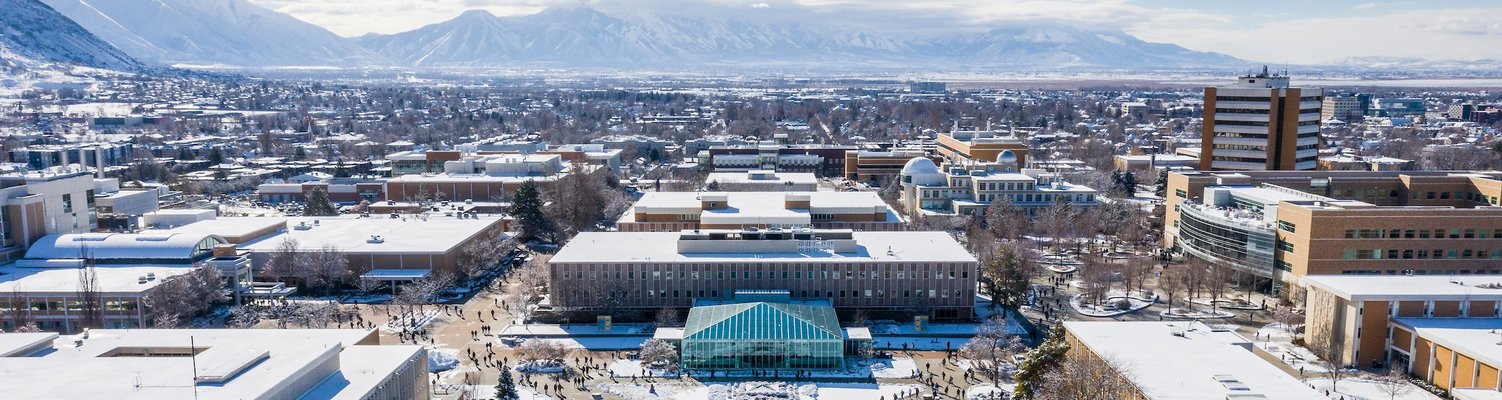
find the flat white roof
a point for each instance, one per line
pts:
(779, 177)
(236, 227)
(352, 234)
(1400, 287)
(762, 204)
(1165, 366)
(663, 247)
(11, 344)
(113, 279)
(1469, 336)
(89, 371)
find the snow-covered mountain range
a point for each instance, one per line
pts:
(34, 36)
(212, 32)
(584, 37)
(238, 33)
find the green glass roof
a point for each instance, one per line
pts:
(762, 321)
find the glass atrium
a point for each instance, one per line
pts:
(763, 336)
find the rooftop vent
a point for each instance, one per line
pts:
(302, 226)
(375, 239)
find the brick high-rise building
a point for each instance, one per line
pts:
(1261, 124)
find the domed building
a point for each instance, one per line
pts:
(958, 189)
(1006, 161)
(921, 171)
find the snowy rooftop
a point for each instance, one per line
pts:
(353, 234)
(1423, 287)
(1197, 365)
(123, 280)
(779, 177)
(227, 227)
(1476, 338)
(663, 247)
(252, 362)
(762, 204)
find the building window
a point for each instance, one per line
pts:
(1285, 225)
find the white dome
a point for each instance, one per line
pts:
(920, 165)
(921, 171)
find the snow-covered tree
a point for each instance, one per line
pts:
(659, 354)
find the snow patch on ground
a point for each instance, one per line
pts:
(896, 368)
(442, 360)
(1366, 389)
(987, 391)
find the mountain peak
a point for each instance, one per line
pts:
(476, 13)
(33, 32)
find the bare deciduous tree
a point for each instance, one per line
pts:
(1393, 384)
(992, 349)
(1085, 377)
(1329, 359)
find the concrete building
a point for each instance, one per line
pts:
(925, 273)
(676, 211)
(1144, 162)
(1182, 360)
(98, 156)
(44, 202)
(212, 364)
(1261, 123)
(820, 160)
(763, 181)
(1345, 162)
(960, 191)
(1344, 108)
(1294, 224)
(1384, 320)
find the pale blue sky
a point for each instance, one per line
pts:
(1277, 31)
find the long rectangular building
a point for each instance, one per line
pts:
(1290, 224)
(926, 273)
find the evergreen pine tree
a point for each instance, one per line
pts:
(1040, 362)
(1008, 282)
(526, 207)
(506, 388)
(318, 204)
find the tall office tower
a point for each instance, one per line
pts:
(1261, 124)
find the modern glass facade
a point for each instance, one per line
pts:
(762, 336)
(1218, 235)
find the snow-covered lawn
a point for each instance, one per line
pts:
(897, 368)
(1137, 303)
(916, 343)
(1366, 389)
(630, 368)
(1295, 357)
(589, 343)
(987, 391)
(1185, 313)
(488, 392)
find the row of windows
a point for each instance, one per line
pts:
(1013, 186)
(659, 275)
(1219, 110)
(1410, 254)
(1036, 198)
(1452, 233)
(1470, 196)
